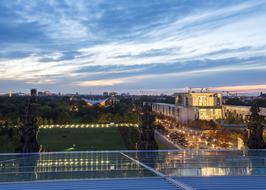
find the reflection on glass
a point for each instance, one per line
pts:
(116, 165)
(212, 163)
(70, 166)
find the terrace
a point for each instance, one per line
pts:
(165, 169)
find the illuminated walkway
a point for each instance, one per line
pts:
(186, 169)
(69, 126)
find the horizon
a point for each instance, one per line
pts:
(232, 90)
(80, 46)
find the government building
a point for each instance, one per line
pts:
(193, 105)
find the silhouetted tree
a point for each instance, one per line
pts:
(146, 126)
(255, 129)
(29, 129)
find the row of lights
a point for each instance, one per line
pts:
(97, 165)
(89, 125)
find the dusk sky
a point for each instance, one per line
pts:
(131, 45)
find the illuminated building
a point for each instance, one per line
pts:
(199, 99)
(10, 93)
(192, 106)
(102, 102)
(199, 105)
(98, 102)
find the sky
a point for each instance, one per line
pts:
(90, 46)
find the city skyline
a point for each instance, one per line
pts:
(94, 46)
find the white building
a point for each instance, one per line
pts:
(169, 110)
(191, 106)
(201, 106)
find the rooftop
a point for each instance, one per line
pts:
(186, 169)
(94, 102)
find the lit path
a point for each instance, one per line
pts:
(73, 126)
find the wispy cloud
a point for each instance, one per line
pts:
(110, 82)
(112, 43)
(243, 88)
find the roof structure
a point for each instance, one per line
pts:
(95, 102)
(166, 169)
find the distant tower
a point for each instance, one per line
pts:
(10, 93)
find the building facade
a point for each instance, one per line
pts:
(169, 110)
(201, 106)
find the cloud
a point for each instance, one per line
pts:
(112, 43)
(110, 82)
(242, 88)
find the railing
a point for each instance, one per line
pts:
(77, 126)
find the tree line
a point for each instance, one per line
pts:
(60, 110)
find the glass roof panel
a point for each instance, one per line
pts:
(115, 164)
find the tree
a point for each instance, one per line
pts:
(29, 129)
(146, 126)
(235, 101)
(255, 129)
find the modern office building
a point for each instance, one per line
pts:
(191, 106)
(201, 106)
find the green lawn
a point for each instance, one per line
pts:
(7, 145)
(82, 139)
